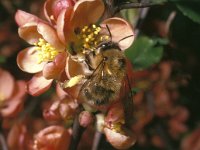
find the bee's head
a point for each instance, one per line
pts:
(115, 58)
(107, 45)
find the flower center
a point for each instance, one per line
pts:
(90, 37)
(46, 52)
(117, 127)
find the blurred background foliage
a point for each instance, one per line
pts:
(167, 31)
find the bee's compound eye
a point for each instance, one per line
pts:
(121, 62)
(86, 91)
(103, 45)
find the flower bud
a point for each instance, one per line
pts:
(52, 138)
(120, 140)
(85, 118)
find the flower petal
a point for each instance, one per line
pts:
(20, 90)
(53, 138)
(63, 25)
(27, 60)
(6, 84)
(15, 104)
(73, 91)
(74, 68)
(29, 32)
(60, 92)
(22, 17)
(87, 12)
(19, 136)
(115, 113)
(50, 35)
(38, 85)
(120, 31)
(54, 69)
(120, 140)
(12, 108)
(52, 8)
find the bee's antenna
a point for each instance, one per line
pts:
(125, 38)
(109, 31)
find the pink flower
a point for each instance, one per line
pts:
(12, 94)
(122, 139)
(52, 138)
(191, 141)
(62, 109)
(19, 137)
(52, 8)
(46, 57)
(77, 26)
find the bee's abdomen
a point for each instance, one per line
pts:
(98, 95)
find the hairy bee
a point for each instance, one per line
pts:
(109, 70)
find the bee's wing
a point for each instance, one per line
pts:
(96, 76)
(127, 99)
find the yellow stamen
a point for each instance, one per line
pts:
(117, 127)
(46, 52)
(89, 37)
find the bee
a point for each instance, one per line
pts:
(105, 83)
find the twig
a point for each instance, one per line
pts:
(164, 136)
(7, 4)
(3, 142)
(76, 134)
(97, 139)
(131, 5)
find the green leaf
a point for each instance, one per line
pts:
(144, 52)
(2, 59)
(131, 15)
(191, 10)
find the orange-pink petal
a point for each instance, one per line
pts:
(20, 90)
(87, 12)
(53, 70)
(27, 60)
(22, 17)
(53, 138)
(49, 34)
(29, 32)
(74, 68)
(60, 92)
(15, 103)
(120, 31)
(120, 140)
(38, 85)
(52, 8)
(63, 25)
(11, 108)
(6, 84)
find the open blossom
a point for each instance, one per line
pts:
(46, 56)
(77, 26)
(12, 94)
